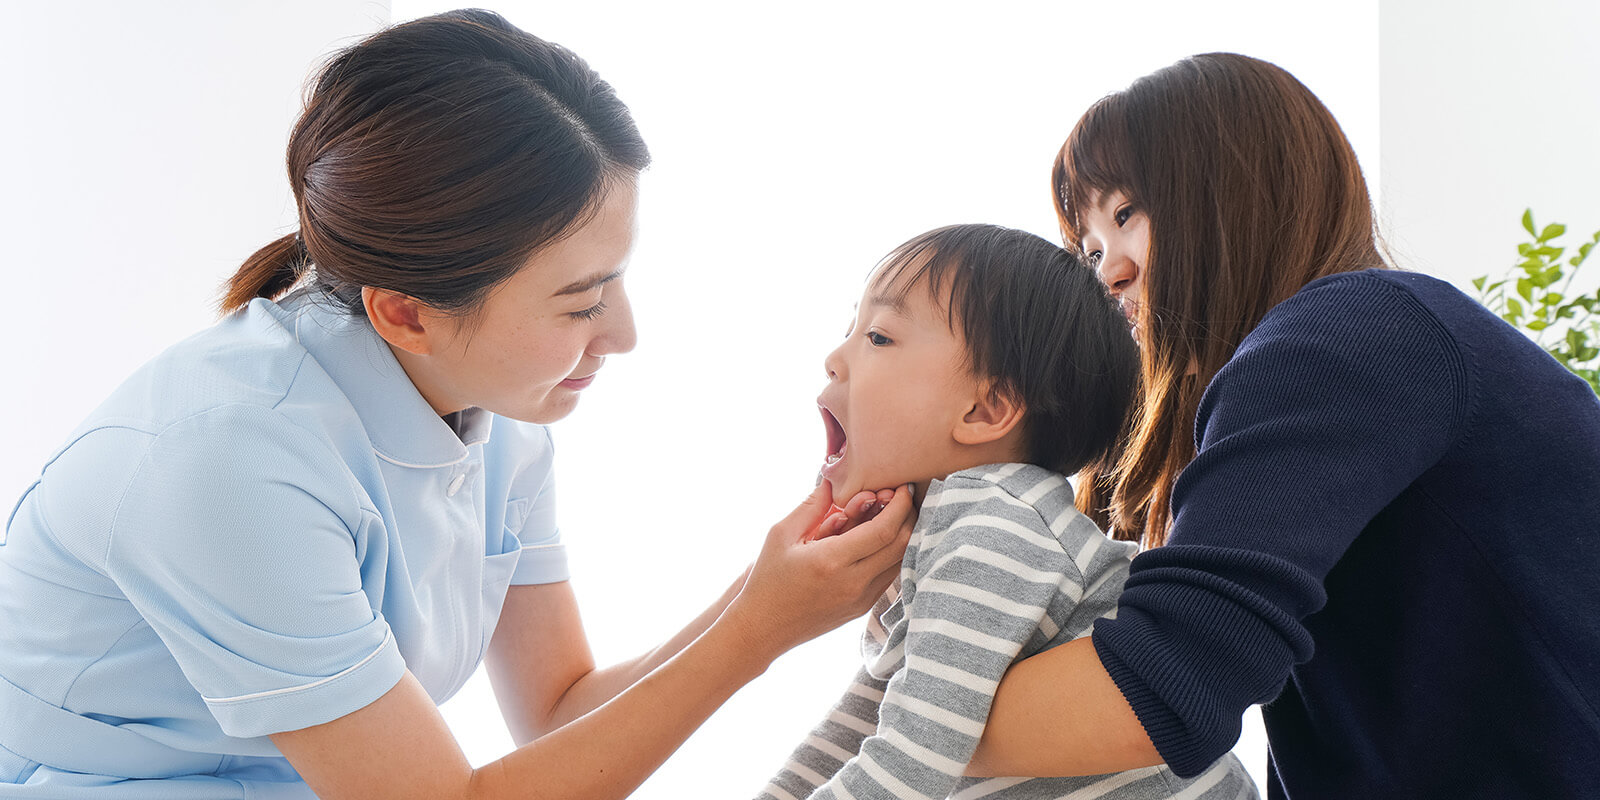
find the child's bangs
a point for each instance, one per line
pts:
(1095, 159)
(931, 261)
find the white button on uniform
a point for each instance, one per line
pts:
(455, 485)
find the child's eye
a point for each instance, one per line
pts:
(878, 339)
(1123, 214)
(1093, 259)
(591, 312)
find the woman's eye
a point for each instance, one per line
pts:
(591, 312)
(878, 339)
(1123, 214)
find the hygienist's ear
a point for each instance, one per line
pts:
(994, 413)
(402, 320)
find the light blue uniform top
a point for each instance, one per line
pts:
(257, 533)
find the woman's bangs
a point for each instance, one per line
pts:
(1095, 159)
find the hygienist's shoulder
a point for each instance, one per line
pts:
(240, 397)
(250, 357)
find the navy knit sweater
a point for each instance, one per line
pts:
(1390, 536)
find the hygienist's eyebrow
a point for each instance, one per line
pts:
(579, 287)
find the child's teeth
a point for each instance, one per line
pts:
(833, 458)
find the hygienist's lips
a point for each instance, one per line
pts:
(578, 383)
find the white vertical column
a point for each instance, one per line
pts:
(144, 160)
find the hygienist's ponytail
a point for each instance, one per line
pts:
(435, 157)
(268, 272)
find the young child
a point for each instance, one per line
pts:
(984, 365)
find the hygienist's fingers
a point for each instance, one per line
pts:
(882, 540)
(802, 522)
(864, 506)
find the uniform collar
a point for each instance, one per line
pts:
(403, 428)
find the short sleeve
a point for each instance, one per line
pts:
(531, 517)
(239, 539)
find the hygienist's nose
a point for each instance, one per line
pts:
(617, 334)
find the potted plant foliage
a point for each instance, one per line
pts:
(1536, 296)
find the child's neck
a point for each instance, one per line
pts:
(1005, 451)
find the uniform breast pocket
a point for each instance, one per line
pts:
(500, 564)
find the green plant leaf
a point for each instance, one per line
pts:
(1514, 307)
(1477, 283)
(1527, 222)
(1551, 231)
(1525, 288)
(1538, 325)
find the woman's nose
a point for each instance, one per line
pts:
(1117, 272)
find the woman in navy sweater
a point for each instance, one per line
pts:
(1367, 502)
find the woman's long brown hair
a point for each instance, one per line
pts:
(1252, 191)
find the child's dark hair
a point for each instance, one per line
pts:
(1037, 321)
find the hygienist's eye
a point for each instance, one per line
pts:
(1123, 214)
(878, 339)
(591, 312)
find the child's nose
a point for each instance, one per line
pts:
(834, 363)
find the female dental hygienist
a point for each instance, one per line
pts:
(258, 566)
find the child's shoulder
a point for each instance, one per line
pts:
(1028, 496)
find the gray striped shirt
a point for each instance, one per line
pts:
(1001, 566)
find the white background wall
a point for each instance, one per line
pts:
(1488, 108)
(144, 148)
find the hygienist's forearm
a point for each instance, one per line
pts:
(610, 751)
(600, 685)
(1059, 713)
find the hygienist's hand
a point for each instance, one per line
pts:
(858, 509)
(801, 586)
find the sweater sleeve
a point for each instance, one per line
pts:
(1338, 401)
(986, 582)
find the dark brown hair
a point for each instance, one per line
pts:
(436, 156)
(1038, 323)
(1251, 191)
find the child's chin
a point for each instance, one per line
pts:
(840, 497)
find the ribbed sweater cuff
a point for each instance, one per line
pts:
(1166, 731)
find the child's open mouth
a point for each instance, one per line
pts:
(836, 438)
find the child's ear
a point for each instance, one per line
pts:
(401, 320)
(994, 413)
